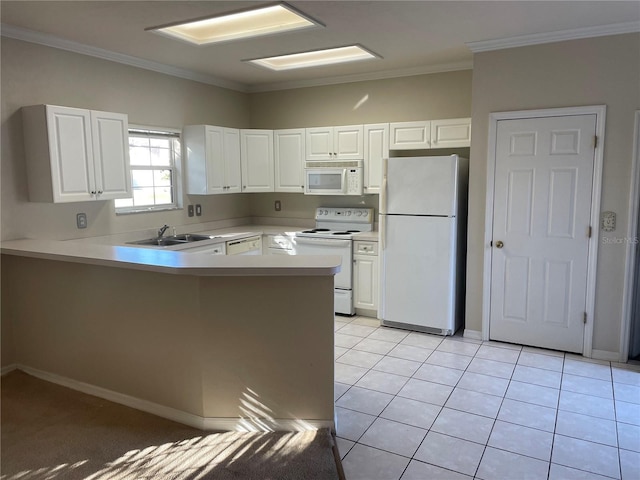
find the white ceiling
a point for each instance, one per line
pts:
(411, 36)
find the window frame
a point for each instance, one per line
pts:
(175, 168)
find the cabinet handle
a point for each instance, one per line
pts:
(93, 192)
(100, 192)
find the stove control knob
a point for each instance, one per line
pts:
(326, 212)
(348, 213)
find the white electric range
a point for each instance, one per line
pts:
(333, 235)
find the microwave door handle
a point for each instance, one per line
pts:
(344, 180)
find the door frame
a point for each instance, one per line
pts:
(632, 233)
(600, 112)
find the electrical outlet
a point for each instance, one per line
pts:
(81, 220)
(198, 209)
(278, 206)
(190, 210)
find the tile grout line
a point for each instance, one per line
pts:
(511, 379)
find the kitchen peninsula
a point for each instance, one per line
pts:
(216, 342)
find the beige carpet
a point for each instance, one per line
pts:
(52, 432)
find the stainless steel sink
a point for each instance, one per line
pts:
(191, 237)
(173, 240)
(159, 242)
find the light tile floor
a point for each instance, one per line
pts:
(414, 406)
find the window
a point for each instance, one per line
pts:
(155, 160)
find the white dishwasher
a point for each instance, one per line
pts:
(216, 249)
(245, 246)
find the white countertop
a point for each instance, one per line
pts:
(114, 251)
(173, 262)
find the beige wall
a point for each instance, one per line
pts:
(422, 97)
(597, 71)
(33, 74)
(190, 343)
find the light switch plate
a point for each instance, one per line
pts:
(190, 210)
(608, 221)
(198, 209)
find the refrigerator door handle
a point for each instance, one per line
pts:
(383, 188)
(383, 231)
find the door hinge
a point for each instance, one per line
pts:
(589, 231)
(595, 141)
(584, 318)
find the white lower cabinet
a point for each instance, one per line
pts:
(365, 276)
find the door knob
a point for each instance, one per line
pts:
(499, 244)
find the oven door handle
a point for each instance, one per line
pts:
(322, 242)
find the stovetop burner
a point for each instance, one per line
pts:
(348, 232)
(316, 230)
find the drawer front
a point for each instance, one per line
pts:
(361, 247)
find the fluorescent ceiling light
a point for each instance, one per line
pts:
(265, 20)
(315, 58)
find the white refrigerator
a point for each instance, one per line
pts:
(423, 209)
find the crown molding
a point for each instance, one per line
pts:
(551, 37)
(31, 36)
(361, 77)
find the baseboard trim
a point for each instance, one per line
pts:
(472, 334)
(606, 355)
(189, 419)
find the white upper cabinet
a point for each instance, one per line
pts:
(76, 155)
(410, 135)
(212, 159)
(448, 133)
(451, 133)
(256, 154)
(335, 143)
(376, 148)
(289, 160)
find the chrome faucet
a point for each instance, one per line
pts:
(163, 229)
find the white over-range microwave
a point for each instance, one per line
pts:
(333, 178)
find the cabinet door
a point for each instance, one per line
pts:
(319, 143)
(451, 133)
(410, 135)
(348, 143)
(365, 282)
(289, 160)
(231, 159)
(110, 132)
(376, 147)
(256, 153)
(214, 161)
(71, 154)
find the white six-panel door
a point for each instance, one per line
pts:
(542, 211)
